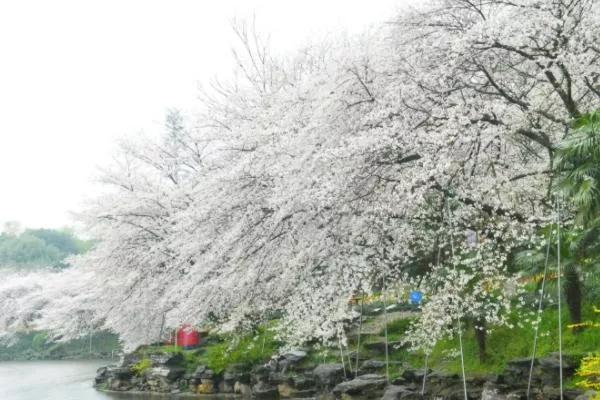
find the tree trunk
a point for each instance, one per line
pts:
(572, 290)
(480, 336)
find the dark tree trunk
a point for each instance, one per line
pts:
(572, 289)
(480, 336)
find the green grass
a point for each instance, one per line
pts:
(397, 328)
(249, 349)
(504, 344)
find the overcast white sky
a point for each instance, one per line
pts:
(76, 74)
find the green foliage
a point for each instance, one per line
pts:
(38, 340)
(505, 344)
(63, 241)
(578, 159)
(39, 247)
(171, 349)
(27, 250)
(139, 367)
(35, 345)
(397, 328)
(589, 372)
(191, 360)
(250, 349)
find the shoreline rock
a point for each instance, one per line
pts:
(286, 377)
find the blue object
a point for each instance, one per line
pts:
(415, 297)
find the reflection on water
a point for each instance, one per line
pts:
(54, 380)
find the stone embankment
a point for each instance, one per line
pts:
(289, 376)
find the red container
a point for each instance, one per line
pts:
(187, 336)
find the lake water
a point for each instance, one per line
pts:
(54, 380)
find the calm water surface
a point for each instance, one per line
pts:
(53, 380)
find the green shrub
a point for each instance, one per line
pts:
(139, 367)
(250, 349)
(397, 328)
(39, 340)
(191, 360)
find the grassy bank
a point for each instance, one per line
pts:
(503, 344)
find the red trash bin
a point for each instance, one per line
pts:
(187, 336)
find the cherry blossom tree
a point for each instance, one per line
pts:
(306, 179)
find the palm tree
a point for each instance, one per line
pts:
(579, 251)
(577, 161)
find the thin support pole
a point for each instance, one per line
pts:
(439, 252)
(342, 354)
(264, 339)
(462, 358)
(424, 375)
(350, 363)
(539, 314)
(162, 326)
(437, 262)
(460, 336)
(362, 304)
(558, 273)
(387, 357)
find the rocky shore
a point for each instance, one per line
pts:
(287, 376)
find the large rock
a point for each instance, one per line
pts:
(492, 392)
(397, 392)
(119, 385)
(380, 346)
(158, 384)
(233, 373)
(370, 366)
(550, 368)
(353, 354)
(163, 379)
(295, 356)
(437, 382)
(171, 374)
(127, 359)
(328, 375)
(199, 371)
(416, 375)
(297, 386)
(113, 376)
(207, 386)
(167, 359)
(518, 369)
(572, 393)
(275, 378)
(226, 386)
(261, 372)
(122, 373)
(364, 387)
(242, 388)
(263, 390)
(589, 395)
(286, 390)
(101, 376)
(303, 382)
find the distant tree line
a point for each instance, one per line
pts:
(39, 247)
